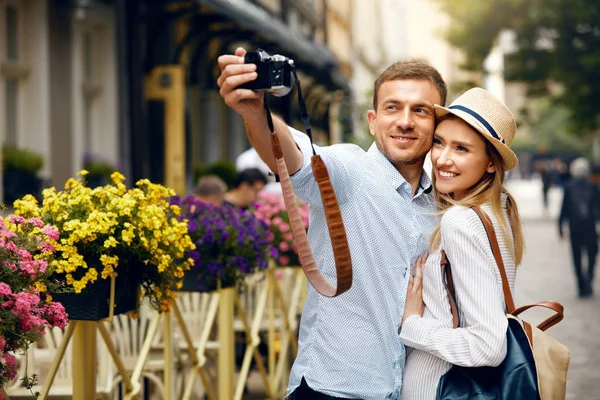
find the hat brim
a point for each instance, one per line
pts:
(509, 158)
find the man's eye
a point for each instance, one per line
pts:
(391, 107)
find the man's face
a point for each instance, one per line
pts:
(251, 192)
(404, 121)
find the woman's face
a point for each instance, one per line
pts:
(459, 157)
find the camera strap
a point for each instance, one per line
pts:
(333, 215)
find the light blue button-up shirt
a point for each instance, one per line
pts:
(349, 345)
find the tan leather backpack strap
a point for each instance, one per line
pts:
(337, 232)
(449, 285)
(550, 321)
(491, 233)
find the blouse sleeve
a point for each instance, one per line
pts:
(481, 339)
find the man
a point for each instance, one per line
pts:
(210, 189)
(580, 206)
(246, 186)
(349, 345)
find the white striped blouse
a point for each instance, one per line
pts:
(432, 344)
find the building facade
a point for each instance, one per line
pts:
(74, 77)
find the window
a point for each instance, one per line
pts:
(88, 99)
(95, 110)
(24, 77)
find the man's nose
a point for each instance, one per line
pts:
(405, 121)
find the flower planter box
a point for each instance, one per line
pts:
(93, 304)
(193, 281)
(18, 183)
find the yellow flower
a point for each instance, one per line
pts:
(40, 287)
(110, 242)
(109, 224)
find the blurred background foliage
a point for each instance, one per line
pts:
(555, 51)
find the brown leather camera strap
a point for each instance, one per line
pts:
(552, 305)
(333, 215)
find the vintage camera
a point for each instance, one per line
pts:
(274, 73)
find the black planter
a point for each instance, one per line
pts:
(92, 304)
(93, 181)
(17, 183)
(195, 280)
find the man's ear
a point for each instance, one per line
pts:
(371, 115)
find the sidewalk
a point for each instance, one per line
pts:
(528, 194)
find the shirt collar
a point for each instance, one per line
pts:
(391, 174)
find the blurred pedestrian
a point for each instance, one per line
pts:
(248, 183)
(210, 189)
(546, 177)
(251, 159)
(580, 207)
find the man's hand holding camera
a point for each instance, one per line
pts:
(235, 72)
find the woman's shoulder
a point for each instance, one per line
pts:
(458, 216)
(462, 221)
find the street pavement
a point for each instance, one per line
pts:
(546, 274)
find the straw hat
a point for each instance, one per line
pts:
(490, 117)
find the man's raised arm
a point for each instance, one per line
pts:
(250, 105)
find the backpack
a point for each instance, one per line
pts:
(536, 364)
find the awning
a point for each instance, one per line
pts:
(303, 51)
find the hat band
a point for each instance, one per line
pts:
(479, 118)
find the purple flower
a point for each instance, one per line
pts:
(230, 242)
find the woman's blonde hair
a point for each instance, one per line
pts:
(489, 189)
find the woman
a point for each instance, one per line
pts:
(470, 156)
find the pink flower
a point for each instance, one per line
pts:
(283, 227)
(2, 344)
(51, 232)
(56, 315)
(284, 246)
(277, 221)
(284, 260)
(41, 265)
(289, 236)
(12, 247)
(36, 222)
(7, 233)
(25, 255)
(47, 247)
(10, 363)
(5, 291)
(16, 219)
